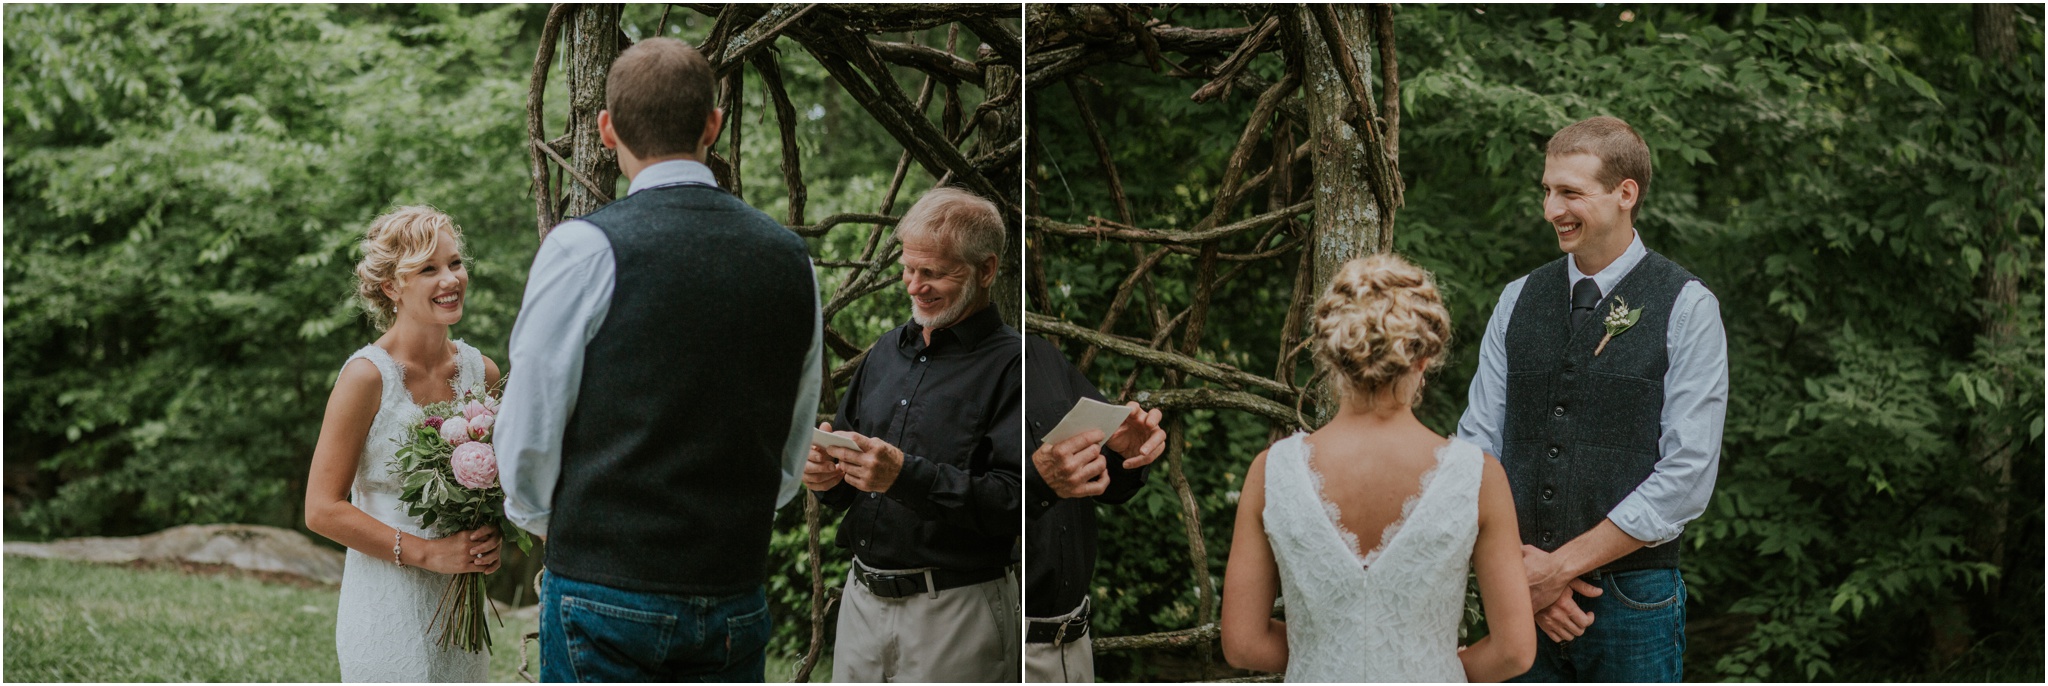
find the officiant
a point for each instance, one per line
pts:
(932, 496)
(1066, 480)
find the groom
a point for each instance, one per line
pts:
(1602, 384)
(667, 356)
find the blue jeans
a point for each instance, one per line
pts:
(591, 632)
(1638, 634)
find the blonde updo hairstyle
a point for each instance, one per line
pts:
(1381, 318)
(395, 246)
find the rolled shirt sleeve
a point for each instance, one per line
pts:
(1695, 407)
(568, 293)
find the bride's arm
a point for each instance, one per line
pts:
(1510, 644)
(1252, 639)
(350, 410)
(491, 373)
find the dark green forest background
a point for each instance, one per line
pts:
(1856, 184)
(185, 187)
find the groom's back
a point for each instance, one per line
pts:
(671, 458)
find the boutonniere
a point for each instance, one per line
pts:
(1618, 320)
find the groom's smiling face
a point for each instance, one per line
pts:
(1591, 220)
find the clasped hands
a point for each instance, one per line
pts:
(872, 469)
(1550, 592)
(1075, 467)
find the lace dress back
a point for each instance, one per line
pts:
(1396, 618)
(381, 629)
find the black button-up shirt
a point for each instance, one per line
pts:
(1061, 533)
(954, 408)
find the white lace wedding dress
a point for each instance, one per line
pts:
(1389, 615)
(380, 632)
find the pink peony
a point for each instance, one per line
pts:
(481, 426)
(455, 431)
(476, 465)
(491, 404)
(472, 410)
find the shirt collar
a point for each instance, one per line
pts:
(1611, 276)
(671, 173)
(970, 332)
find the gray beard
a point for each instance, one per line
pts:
(951, 315)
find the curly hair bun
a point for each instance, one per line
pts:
(1381, 318)
(394, 247)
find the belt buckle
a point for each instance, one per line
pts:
(889, 585)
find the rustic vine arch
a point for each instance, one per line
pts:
(979, 149)
(1347, 141)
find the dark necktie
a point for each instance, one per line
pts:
(1585, 294)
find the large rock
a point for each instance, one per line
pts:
(250, 547)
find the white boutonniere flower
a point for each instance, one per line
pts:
(1618, 320)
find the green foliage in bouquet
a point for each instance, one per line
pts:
(452, 488)
(431, 491)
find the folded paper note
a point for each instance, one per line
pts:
(1089, 414)
(829, 440)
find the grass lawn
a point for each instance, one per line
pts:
(72, 621)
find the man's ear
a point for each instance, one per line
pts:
(713, 123)
(1630, 193)
(988, 270)
(605, 134)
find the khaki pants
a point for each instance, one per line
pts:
(970, 633)
(1071, 662)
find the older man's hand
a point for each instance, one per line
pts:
(1139, 439)
(821, 472)
(1074, 468)
(874, 467)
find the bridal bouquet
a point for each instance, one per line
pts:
(451, 484)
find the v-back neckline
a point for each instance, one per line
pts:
(1391, 534)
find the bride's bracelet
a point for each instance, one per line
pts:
(397, 538)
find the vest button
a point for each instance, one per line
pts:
(1554, 451)
(1557, 411)
(906, 401)
(920, 358)
(1546, 538)
(1548, 492)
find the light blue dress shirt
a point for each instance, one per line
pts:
(1695, 402)
(568, 293)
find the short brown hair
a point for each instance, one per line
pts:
(660, 94)
(969, 223)
(1622, 153)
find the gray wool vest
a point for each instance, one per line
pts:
(1582, 430)
(672, 457)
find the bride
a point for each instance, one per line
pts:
(1431, 509)
(412, 281)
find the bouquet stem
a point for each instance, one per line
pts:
(463, 607)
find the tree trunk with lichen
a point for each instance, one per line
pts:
(1004, 126)
(592, 39)
(1348, 221)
